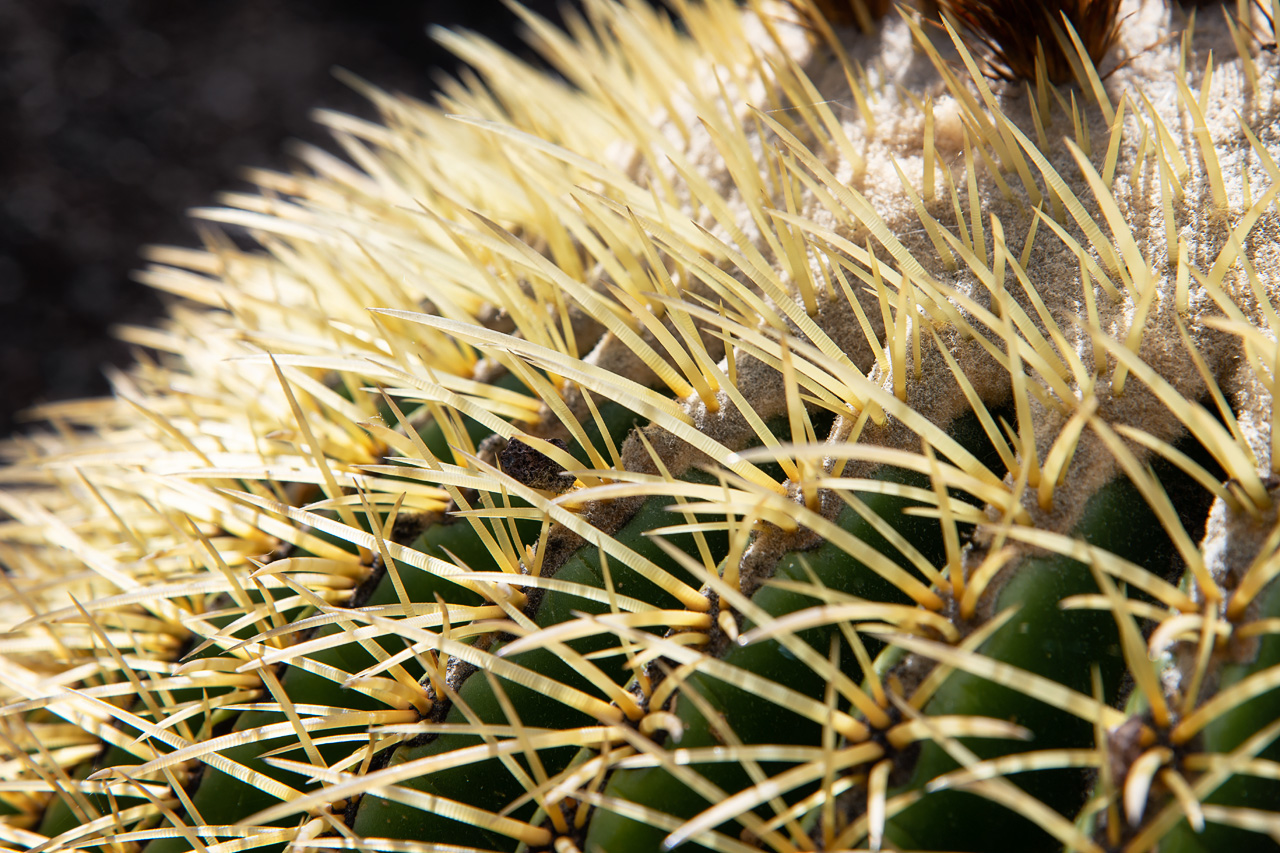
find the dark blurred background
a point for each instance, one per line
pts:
(118, 115)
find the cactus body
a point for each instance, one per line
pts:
(737, 444)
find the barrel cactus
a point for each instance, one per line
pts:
(786, 427)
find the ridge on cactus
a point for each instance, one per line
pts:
(792, 427)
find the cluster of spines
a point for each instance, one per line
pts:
(216, 484)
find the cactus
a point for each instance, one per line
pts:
(765, 435)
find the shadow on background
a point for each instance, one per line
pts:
(118, 115)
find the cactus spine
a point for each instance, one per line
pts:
(737, 443)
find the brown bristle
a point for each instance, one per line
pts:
(847, 13)
(1268, 8)
(1011, 30)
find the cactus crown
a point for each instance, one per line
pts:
(741, 441)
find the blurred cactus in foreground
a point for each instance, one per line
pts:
(767, 434)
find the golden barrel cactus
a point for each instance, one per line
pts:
(783, 429)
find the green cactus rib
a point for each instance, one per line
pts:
(763, 435)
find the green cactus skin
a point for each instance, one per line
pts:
(767, 436)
